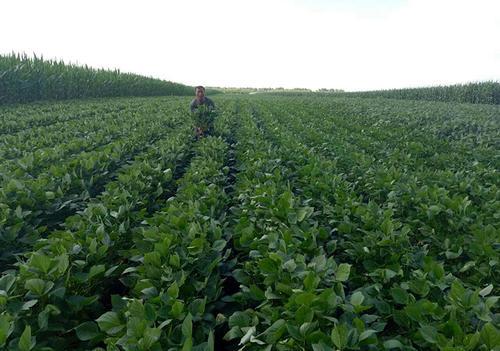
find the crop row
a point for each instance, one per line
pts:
(436, 135)
(123, 262)
(438, 204)
(41, 139)
(405, 275)
(31, 164)
(304, 225)
(29, 205)
(20, 118)
(89, 116)
(69, 275)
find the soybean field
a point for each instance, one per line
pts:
(302, 223)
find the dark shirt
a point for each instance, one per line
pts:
(206, 101)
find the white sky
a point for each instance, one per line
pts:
(350, 45)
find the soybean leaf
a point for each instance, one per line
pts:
(6, 328)
(274, 332)
(87, 331)
(342, 272)
(26, 343)
(393, 344)
(110, 323)
(357, 298)
(429, 333)
(187, 326)
(339, 336)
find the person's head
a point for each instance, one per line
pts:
(200, 92)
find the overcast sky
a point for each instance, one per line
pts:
(344, 44)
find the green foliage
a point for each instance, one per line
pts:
(54, 182)
(300, 224)
(475, 93)
(204, 117)
(24, 79)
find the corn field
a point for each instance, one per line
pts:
(475, 93)
(25, 79)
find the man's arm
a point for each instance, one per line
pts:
(192, 105)
(210, 103)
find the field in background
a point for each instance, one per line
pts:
(304, 223)
(474, 93)
(25, 79)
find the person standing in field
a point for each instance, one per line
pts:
(201, 99)
(206, 106)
